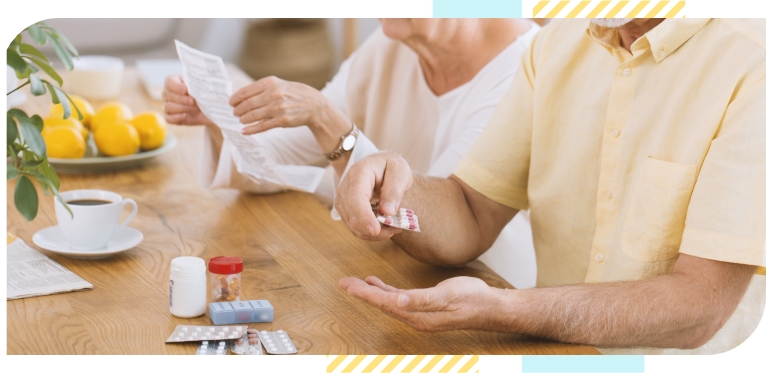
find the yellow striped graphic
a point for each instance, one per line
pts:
(610, 9)
(402, 364)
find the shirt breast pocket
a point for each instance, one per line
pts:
(655, 218)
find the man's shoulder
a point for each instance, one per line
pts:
(752, 29)
(564, 29)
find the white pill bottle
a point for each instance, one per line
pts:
(188, 286)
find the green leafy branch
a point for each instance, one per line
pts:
(26, 152)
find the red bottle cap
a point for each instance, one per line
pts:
(225, 265)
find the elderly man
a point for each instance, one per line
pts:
(639, 147)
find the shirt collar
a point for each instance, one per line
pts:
(663, 40)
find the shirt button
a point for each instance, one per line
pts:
(626, 72)
(608, 195)
(599, 257)
(661, 53)
(616, 133)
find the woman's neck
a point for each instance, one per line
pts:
(453, 58)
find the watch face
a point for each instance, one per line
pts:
(349, 142)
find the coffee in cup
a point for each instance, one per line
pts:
(94, 219)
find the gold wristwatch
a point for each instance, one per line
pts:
(347, 143)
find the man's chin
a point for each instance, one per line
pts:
(611, 22)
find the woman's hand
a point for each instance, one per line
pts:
(272, 102)
(180, 108)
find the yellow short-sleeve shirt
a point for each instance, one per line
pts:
(626, 160)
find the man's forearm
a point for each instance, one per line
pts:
(449, 235)
(669, 311)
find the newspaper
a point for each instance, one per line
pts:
(208, 82)
(32, 273)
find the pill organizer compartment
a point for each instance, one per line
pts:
(241, 312)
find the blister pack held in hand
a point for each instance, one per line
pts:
(404, 219)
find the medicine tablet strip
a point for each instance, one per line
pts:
(248, 344)
(212, 348)
(277, 343)
(194, 333)
(404, 219)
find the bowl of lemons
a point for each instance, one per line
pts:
(107, 139)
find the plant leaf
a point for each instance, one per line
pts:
(62, 54)
(64, 100)
(37, 87)
(25, 198)
(29, 50)
(16, 40)
(13, 130)
(37, 35)
(12, 172)
(79, 114)
(46, 169)
(46, 67)
(44, 182)
(38, 122)
(31, 162)
(63, 39)
(16, 62)
(31, 136)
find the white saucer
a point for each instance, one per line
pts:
(52, 239)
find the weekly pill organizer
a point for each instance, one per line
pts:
(241, 312)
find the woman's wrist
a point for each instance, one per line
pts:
(328, 126)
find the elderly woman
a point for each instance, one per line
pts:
(423, 88)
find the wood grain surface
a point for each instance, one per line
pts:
(293, 252)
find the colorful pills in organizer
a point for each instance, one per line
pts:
(404, 218)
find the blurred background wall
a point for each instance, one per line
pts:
(306, 50)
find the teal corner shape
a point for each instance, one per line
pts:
(582, 364)
(477, 8)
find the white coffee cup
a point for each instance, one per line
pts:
(90, 227)
(97, 77)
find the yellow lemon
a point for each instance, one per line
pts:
(86, 109)
(115, 139)
(151, 129)
(64, 142)
(51, 123)
(110, 112)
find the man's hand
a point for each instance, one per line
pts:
(456, 303)
(180, 108)
(385, 175)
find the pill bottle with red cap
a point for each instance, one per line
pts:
(225, 278)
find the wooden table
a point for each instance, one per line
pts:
(293, 252)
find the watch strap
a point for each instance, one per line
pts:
(337, 153)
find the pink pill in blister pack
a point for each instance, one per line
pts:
(404, 218)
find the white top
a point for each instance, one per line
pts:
(458, 117)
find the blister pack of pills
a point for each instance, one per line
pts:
(212, 348)
(193, 333)
(249, 344)
(277, 343)
(404, 218)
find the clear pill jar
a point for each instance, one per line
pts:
(187, 286)
(225, 278)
